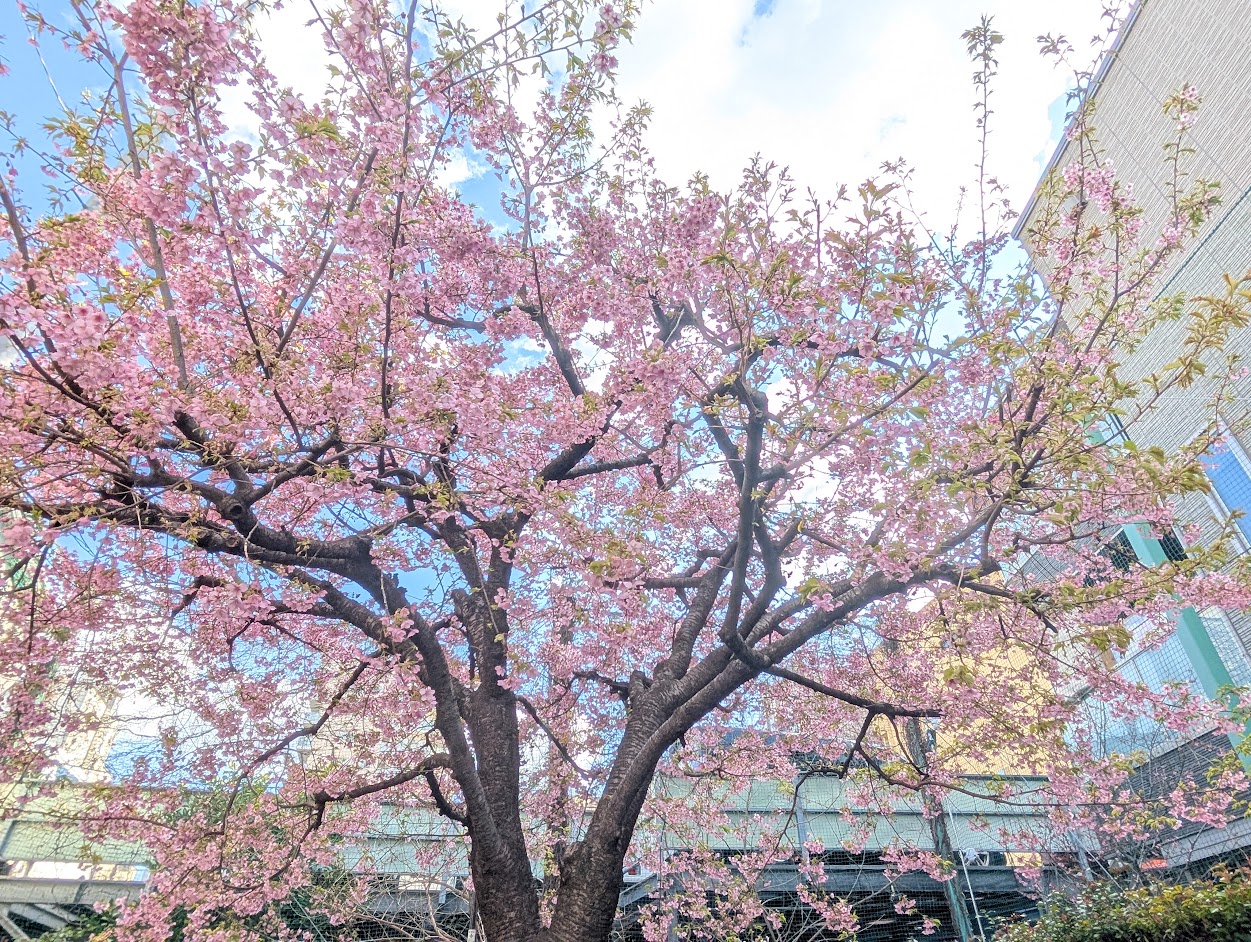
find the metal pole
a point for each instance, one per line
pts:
(801, 820)
(473, 935)
(9, 926)
(939, 834)
(1084, 861)
(964, 865)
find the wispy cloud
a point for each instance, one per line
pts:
(832, 88)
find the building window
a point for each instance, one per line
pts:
(1229, 470)
(1172, 546)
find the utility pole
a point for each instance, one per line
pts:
(801, 820)
(934, 813)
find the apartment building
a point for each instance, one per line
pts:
(1163, 45)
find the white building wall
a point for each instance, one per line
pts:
(1165, 44)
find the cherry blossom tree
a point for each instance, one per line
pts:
(510, 516)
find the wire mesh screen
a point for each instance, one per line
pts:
(1221, 631)
(1226, 467)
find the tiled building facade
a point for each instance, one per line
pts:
(1163, 45)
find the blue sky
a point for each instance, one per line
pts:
(830, 88)
(26, 95)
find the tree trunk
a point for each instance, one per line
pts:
(590, 875)
(506, 900)
(504, 884)
(589, 884)
(589, 890)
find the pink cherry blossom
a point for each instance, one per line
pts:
(555, 525)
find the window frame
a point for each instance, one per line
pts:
(1215, 502)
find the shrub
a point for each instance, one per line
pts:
(1216, 910)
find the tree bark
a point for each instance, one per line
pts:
(506, 889)
(590, 874)
(590, 880)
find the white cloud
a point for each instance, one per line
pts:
(460, 168)
(830, 88)
(596, 359)
(834, 87)
(294, 50)
(294, 45)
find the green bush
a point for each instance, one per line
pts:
(298, 916)
(1217, 910)
(86, 928)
